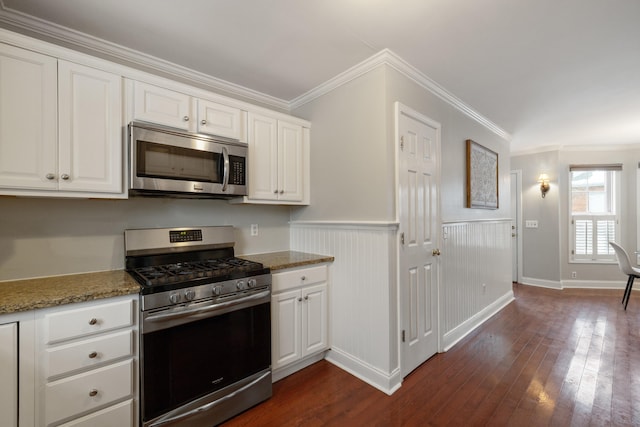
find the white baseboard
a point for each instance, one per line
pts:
(387, 383)
(279, 374)
(574, 284)
(593, 284)
(452, 337)
(552, 284)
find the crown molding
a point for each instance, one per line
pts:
(78, 39)
(576, 148)
(388, 57)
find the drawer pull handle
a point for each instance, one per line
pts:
(93, 392)
(93, 321)
(93, 355)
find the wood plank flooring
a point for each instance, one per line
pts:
(550, 358)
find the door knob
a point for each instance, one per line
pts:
(436, 252)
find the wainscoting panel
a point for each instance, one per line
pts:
(475, 275)
(362, 296)
(475, 283)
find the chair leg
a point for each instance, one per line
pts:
(626, 289)
(629, 293)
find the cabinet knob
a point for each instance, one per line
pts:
(275, 191)
(306, 297)
(299, 299)
(185, 118)
(64, 176)
(93, 321)
(50, 176)
(304, 277)
(281, 191)
(93, 392)
(203, 122)
(93, 355)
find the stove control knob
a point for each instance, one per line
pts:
(241, 285)
(189, 294)
(252, 283)
(174, 298)
(217, 290)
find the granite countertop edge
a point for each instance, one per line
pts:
(31, 294)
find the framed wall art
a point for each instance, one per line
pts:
(482, 176)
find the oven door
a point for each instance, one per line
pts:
(204, 363)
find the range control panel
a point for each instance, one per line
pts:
(179, 236)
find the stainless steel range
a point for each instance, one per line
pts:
(205, 335)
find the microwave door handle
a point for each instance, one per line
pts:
(225, 169)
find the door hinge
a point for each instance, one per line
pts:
(403, 338)
(402, 238)
(402, 143)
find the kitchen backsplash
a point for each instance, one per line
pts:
(45, 237)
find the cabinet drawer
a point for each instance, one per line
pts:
(86, 321)
(70, 396)
(299, 277)
(120, 415)
(87, 353)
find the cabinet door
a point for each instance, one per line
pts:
(90, 142)
(290, 162)
(314, 319)
(220, 120)
(28, 119)
(285, 328)
(162, 106)
(9, 374)
(263, 157)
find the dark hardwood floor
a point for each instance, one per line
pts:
(556, 358)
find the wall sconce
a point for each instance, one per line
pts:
(543, 179)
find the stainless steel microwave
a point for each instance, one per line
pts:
(169, 162)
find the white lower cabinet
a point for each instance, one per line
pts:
(86, 364)
(9, 374)
(116, 415)
(299, 318)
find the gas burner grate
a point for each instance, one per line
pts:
(186, 271)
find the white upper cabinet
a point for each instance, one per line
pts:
(221, 120)
(167, 107)
(263, 157)
(278, 161)
(60, 127)
(290, 162)
(90, 133)
(162, 106)
(28, 120)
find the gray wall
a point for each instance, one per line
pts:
(546, 250)
(43, 237)
(352, 151)
(351, 174)
(540, 246)
(456, 129)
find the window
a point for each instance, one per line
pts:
(595, 210)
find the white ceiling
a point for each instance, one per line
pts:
(548, 72)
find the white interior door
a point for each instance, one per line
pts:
(419, 147)
(516, 257)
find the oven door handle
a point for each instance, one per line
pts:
(160, 317)
(208, 406)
